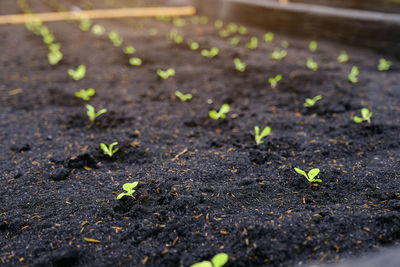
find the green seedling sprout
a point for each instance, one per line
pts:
(34, 25)
(128, 187)
(242, 30)
(210, 53)
(223, 33)
(313, 46)
(129, 50)
(273, 81)
(311, 64)
(225, 108)
(234, 41)
(195, 20)
(239, 65)
(353, 75)
(77, 74)
(178, 39)
(218, 24)
(135, 61)
(232, 28)
(365, 116)
(218, 260)
(85, 94)
(268, 37)
(310, 102)
(310, 176)
(193, 45)
(54, 57)
(178, 22)
(98, 30)
(92, 114)
(115, 38)
(183, 97)
(165, 74)
(343, 57)
(54, 47)
(253, 44)
(278, 54)
(108, 150)
(204, 20)
(285, 44)
(384, 64)
(85, 24)
(258, 137)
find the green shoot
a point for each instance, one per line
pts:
(285, 44)
(365, 116)
(253, 44)
(313, 46)
(77, 74)
(85, 94)
(129, 50)
(273, 81)
(311, 64)
(218, 24)
(165, 74)
(54, 57)
(278, 54)
(264, 133)
(343, 57)
(115, 38)
(268, 37)
(193, 45)
(92, 114)
(242, 30)
(239, 65)
(218, 260)
(234, 41)
(204, 20)
(225, 108)
(128, 187)
(172, 34)
(178, 39)
(98, 30)
(178, 22)
(210, 53)
(135, 61)
(310, 102)
(183, 97)
(232, 28)
(85, 24)
(223, 33)
(384, 64)
(353, 75)
(195, 20)
(109, 151)
(310, 176)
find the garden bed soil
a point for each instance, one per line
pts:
(204, 186)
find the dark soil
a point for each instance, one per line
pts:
(224, 194)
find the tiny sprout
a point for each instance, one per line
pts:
(242, 30)
(268, 37)
(221, 113)
(239, 65)
(183, 97)
(223, 33)
(204, 20)
(135, 61)
(77, 74)
(179, 22)
(343, 57)
(92, 114)
(172, 34)
(313, 46)
(194, 45)
(109, 151)
(234, 41)
(85, 24)
(98, 30)
(365, 116)
(115, 38)
(218, 260)
(85, 94)
(54, 47)
(128, 187)
(195, 20)
(311, 64)
(384, 64)
(178, 39)
(54, 57)
(285, 44)
(232, 28)
(353, 75)
(218, 24)
(310, 102)
(165, 74)
(210, 53)
(264, 133)
(273, 81)
(129, 50)
(253, 44)
(153, 31)
(278, 54)
(310, 176)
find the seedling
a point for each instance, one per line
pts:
(179, 22)
(172, 34)
(239, 65)
(92, 114)
(165, 74)
(242, 30)
(218, 260)
(384, 64)
(210, 53)
(85, 94)
(85, 24)
(365, 116)
(128, 187)
(135, 61)
(115, 38)
(129, 50)
(108, 150)
(234, 41)
(223, 33)
(54, 57)
(264, 133)
(98, 30)
(232, 28)
(193, 45)
(353, 75)
(313, 46)
(178, 39)
(285, 44)
(195, 20)
(268, 37)
(183, 97)
(253, 44)
(278, 54)
(218, 24)
(343, 57)
(310, 176)
(221, 113)
(273, 81)
(153, 31)
(204, 20)
(311, 64)
(77, 74)
(310, 102)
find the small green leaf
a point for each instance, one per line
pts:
(220, 259)
(213, 115)
(301, 172)
(224, 109)
(202, 264)
(121, 195)
(266, 131)
(312, 173)
(357, 119)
